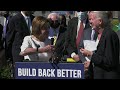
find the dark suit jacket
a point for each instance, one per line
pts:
(118, 33)
(60, 43)
(71, 35)
(1, 39)
(86, 36)
(17, 30)
(106, 56)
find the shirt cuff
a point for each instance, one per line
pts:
(73, 54)
(87, 58)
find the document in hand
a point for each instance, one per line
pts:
(90, 45)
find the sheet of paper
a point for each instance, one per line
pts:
(90, 45)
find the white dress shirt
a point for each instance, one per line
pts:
(53, 33)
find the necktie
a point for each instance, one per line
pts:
(29, 23)
(92, 35)
(79, 34)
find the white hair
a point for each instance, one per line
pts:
(53, 14)
(102, 15)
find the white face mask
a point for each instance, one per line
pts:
(82, 15)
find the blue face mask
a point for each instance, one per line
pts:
(82, 15)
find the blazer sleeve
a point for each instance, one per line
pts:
(10, 33)
(110, 56)
(81, 45)
(70, 48)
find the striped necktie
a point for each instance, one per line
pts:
(29, 23)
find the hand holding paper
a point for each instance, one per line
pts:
(86, 52)
(90, 45)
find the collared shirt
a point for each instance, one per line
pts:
(92, 34)
(53, 33)
(5, 26)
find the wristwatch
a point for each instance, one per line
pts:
(38, 47)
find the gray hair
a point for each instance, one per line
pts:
(53, 14)
(104, 16)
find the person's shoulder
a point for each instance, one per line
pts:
(13, 18)
(17, 16)
(27, 37)
(111, 34)
(73, 19)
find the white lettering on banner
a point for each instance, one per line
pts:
(60, 73)
(68, 73)
(46, 72)
(26, 72)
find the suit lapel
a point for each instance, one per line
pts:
(24, 23)
(103, 36)
(87, 25)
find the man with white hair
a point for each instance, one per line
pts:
(58, 33)
(105, 59)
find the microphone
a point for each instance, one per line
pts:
(54, 59)
(51, 59)
(52, 41)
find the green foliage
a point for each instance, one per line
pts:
(115, 24)
(5, 72)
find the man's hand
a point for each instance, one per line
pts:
(76, 58)
(86, 52)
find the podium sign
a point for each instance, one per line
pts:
(38, 70)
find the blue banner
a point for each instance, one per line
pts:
(38, 70)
